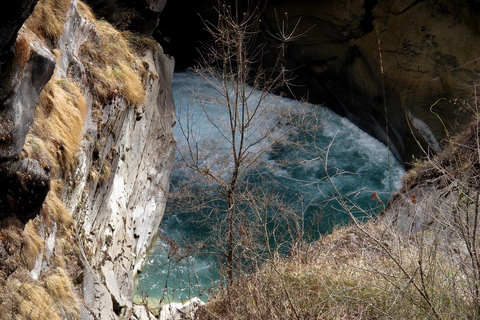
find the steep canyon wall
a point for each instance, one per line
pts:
(87, 150)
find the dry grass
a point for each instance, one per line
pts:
(112, 68)
(94, 176)
(348, 275)
(53, 140)
(106, 172)
(140, 42)
(32, 245)
(48, 18)
(22, 50)
(85, 11)
(59, 287)
(36, 304)
(55, 136)
(55, 208)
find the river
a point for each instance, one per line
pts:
(360, 167)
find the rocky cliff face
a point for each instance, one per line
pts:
(414, 90)
(391, 68)
(87, 166)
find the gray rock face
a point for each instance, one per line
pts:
(119, 207)
(426, 65)
(19, 96)
(117, 193)
(178, 310)
(24, 183)
(20, 84)
(98, 302)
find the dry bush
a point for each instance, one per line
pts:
(346, 275)
(368, 273)
(123, 17)
(326, 280)
(48, 18)
(112, 67)
(419, 260)
(427, 267)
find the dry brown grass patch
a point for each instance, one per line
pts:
(59, 287)
(140, 42)
(85, 11)
(48, 18)
(55, 136)
(112, 67)
(346, 275)
(22, 50)
(32, 245)
(36, 304)
(55, 207)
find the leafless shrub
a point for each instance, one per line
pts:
(247, 219)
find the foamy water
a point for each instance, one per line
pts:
(357, 164)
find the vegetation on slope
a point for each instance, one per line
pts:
(112, 67)
(419, 260)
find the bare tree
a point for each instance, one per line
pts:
(232, 64)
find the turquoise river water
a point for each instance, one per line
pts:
(366, 166)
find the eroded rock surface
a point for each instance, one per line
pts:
(86, 163)
(25, 68)
(131, 152)
(426, 67)
(19, 96)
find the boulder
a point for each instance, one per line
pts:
(179, 310)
